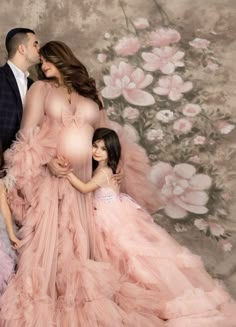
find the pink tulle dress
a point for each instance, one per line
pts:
(7, 254)
(181, 292)
(101, 262)
(58, 282)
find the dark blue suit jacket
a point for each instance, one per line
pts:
(10, 106)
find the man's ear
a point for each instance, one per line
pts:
(21, 48)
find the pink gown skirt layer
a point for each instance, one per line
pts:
(184, 293)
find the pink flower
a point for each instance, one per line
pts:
(224, 127)
(101, 57)
(199, 140)
(131, 114)
(200, 43)
(154, 134)
(226, 196)
(163, 59)
(124, 80)
(127, 46)
(226, 245)
(191, 110)
(182, 189)
(216, 229)
(201, 224)
(141, 23)
(173, 87)
(163, 37)
(182, 125)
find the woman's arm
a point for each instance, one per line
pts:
(81, 186)
(5, 210)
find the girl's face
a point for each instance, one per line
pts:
(99, 151)
(49, 69)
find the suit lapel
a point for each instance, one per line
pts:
(12, 81)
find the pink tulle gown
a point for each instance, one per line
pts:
(109, 269)
(57, 281)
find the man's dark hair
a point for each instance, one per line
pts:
(14, 38)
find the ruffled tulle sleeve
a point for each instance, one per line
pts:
(136, 169)
(33, 148)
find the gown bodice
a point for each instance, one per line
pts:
(76, 120)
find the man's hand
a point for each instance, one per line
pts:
(59, 167)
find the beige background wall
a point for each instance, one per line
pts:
(83, 24)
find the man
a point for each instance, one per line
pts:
(23, 52)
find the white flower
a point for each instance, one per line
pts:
(107, 35)
(154, 134)
(227, 246)
(101, 57)
(200, 43)
(199, 140)
(201, 224)
(165, 116)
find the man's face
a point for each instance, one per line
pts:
(32, 50)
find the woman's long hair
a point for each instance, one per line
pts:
(2, 170)
(112, 144)
(74, 73)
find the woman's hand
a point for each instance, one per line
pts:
(59, 167)
(118, 176)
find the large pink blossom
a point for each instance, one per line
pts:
(164, 59)
(173, 87)
(129, 82)
(127, 46)
(182, 189)
(163, 37)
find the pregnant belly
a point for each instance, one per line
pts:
(75, 144)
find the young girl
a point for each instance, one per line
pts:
(145, 254)
(7, 233)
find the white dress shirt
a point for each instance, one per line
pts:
(21, 79)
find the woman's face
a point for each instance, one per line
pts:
(49, 69)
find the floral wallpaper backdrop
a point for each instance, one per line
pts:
(164, 73)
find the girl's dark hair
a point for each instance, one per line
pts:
(2, 170)
(112, 144)
(74, 73)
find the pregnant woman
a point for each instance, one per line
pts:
(57, 281)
